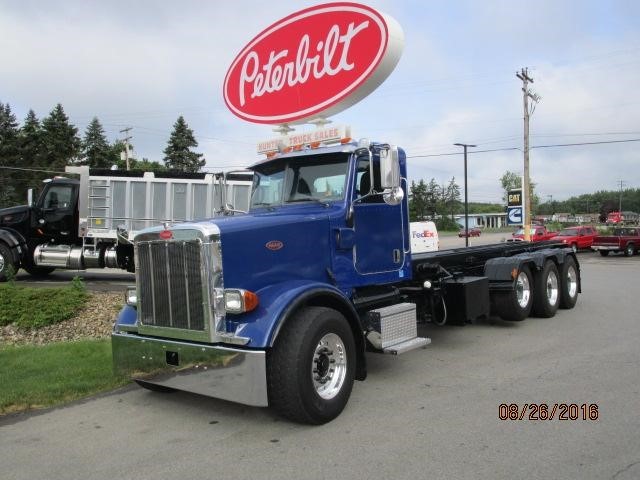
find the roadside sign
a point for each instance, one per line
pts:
(514, 215)
(514, 198)
(515, 207)
(312, 64)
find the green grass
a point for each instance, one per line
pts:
(42, 376)
(29, 307)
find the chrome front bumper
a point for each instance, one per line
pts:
(215, 371)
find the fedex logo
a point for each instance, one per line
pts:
(424, 234)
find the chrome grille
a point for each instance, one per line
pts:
(170, 284)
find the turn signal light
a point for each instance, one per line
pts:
(238, 300)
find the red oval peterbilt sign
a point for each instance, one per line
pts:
(313, 63)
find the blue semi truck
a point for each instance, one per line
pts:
(279, 306)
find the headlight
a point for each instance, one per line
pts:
(237, 300)
(131, 296)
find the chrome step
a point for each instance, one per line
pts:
(407, 345)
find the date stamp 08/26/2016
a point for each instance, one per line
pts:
(550, 411)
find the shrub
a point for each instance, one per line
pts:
(29, 307)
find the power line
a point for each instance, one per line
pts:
(603, 142)
(35, 170)
(587, 143)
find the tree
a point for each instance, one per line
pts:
(30, 140)
(452, 196)
(61, 143)
(178, 155)
(510, 181)
(30, 148)
(97, 152)
(433, 197)
(9, 155)
(418, 208)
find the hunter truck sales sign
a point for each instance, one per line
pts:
(313, 64)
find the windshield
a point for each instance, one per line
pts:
(302, 179)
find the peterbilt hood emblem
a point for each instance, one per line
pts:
(274, 245)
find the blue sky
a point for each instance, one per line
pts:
(142, 64)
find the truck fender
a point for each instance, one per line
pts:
(500, 269)
(16, 243)
(279, 302)
(128, 316)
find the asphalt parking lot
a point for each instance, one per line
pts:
(431, 413)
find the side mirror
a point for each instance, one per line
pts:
(389, 168)
(30, 197)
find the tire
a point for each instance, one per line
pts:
(302, 385)
(155, 388)
(629, 250)
(546, 291)
(569, 283)
(6, 262)
(604, 253)
(516, 305)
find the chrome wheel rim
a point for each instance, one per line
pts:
(572, 281)
(552, 288)
(329, 367)
(1, 263)
(523, 290)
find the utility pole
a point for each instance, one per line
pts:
(466, 202)
(621, 183)
(126, 145)
(526, 79)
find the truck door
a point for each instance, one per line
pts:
(57, 211)
(379, 229)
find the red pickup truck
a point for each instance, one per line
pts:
(624, 239)
(539, 233)
(577, 237)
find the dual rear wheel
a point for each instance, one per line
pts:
(539, 294)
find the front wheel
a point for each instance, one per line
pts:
(311, 367)
(6, 262)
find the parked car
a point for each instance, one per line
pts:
(539, 233)
(624, 239)
(577, 237)
(473, 232)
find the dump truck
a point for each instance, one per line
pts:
(87, 218)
